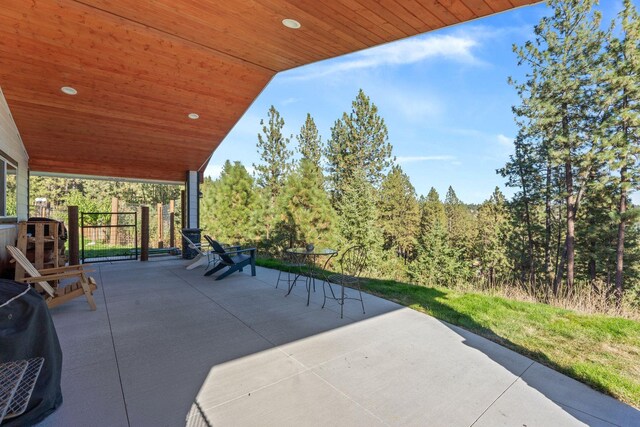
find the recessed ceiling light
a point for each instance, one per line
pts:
(69, 90)
(193, 116)
(291, 23)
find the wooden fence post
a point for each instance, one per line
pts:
(113, 230)
(144, 234)
(172, 225)
(74, 235)
(160, 225)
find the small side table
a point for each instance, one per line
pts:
(310, 258)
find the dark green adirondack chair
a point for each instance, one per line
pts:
(234, 259)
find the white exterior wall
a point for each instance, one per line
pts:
(11, 145)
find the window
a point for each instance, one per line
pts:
(9, 199)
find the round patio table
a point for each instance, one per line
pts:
(310, 258)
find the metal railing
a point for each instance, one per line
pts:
(109, 236)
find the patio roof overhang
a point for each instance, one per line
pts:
(141, 67)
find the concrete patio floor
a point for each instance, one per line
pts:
(164, 338)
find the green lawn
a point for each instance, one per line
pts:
(601, 351)
(119, 251)
(101, 251)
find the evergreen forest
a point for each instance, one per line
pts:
(570, 229)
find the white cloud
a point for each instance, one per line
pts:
(413, 106)
(417, 49)
(505, 140)
(465, 132)
(491, 139)
(413, 159)
(288, 101)
(505, 146)
(408, 51)
(213, 171)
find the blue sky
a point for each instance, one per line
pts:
(443, 95)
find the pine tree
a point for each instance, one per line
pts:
(358, 219)
(595, 259)
(530, 171)
(309, 142)
(431, 214)
(359, 141)
(276, 163)
(229, 206)
(399, 213)
(209, 188)
(621, 125)
(558, 101)
(438, 263)
(460, 224)
(275, 156)
(492, 237)
(53, 189)
(306, 212)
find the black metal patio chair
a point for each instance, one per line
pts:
(294, 264)
(352, 263)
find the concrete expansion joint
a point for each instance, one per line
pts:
(258, 389)
(352, 400)
(502, 394)
(113, 344)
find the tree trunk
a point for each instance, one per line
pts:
(569, 245)
(527, 218)
(559, 250)
(592, 262)
(547, 226)
(571, 211)
(523, 264)
(571, 237)
(560, 263)
(622, 208)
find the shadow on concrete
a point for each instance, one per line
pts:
(576, 398)
(161, 329)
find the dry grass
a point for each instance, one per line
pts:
(588, 298)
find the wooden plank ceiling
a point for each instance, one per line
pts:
(140, 67)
